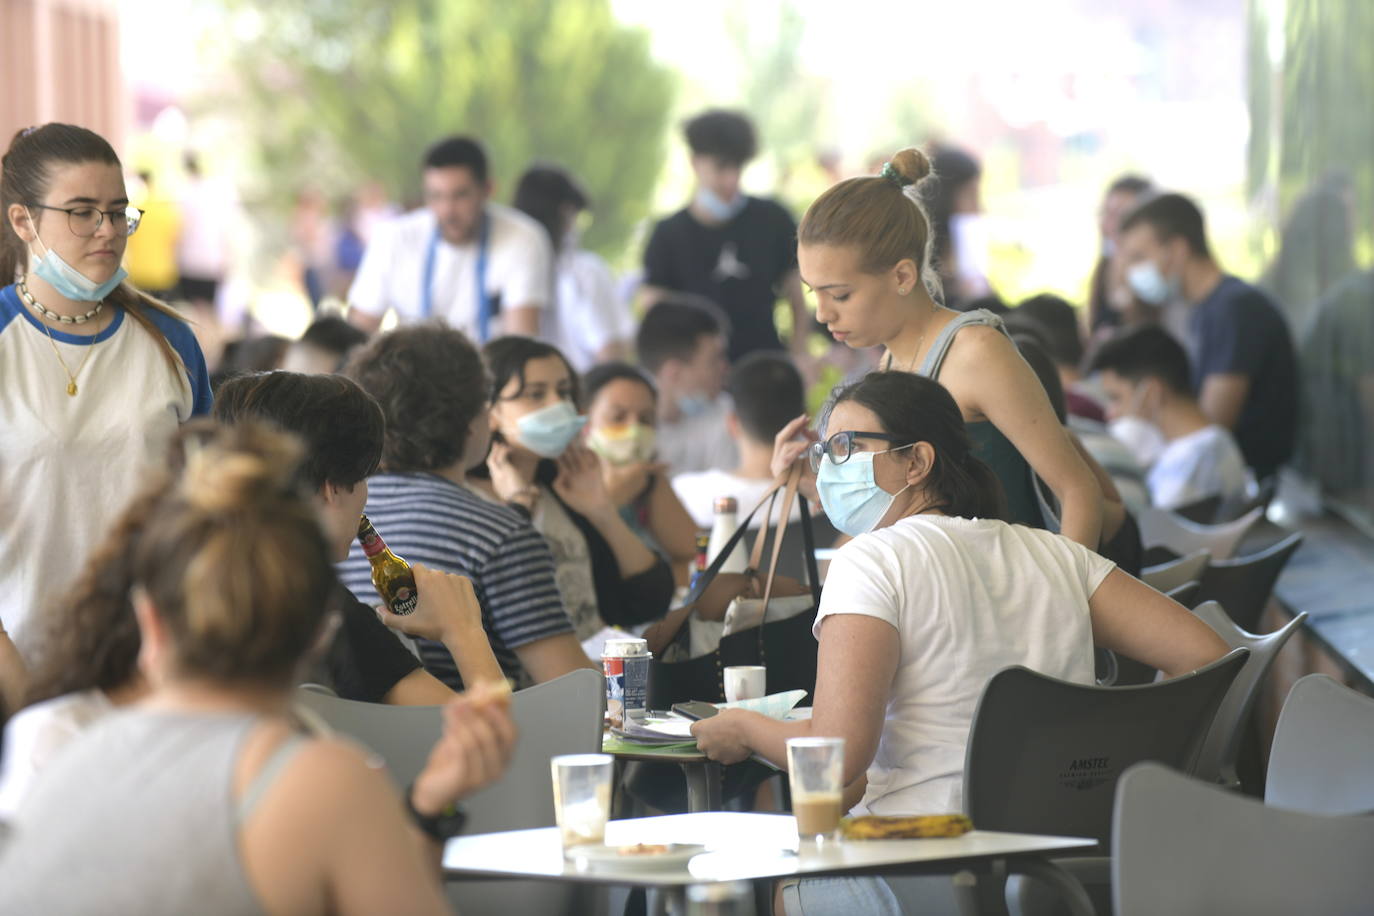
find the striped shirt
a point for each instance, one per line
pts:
(429, 520)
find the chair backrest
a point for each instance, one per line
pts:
(1159, 526)
(562, 716)
(1168, 576)
(1202, 511)
(1190, 849)
(1217, 759)
(402, 736)
(1243, 585)
(1044, 755)
(1323, 746)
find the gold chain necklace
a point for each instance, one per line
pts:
(71, 376)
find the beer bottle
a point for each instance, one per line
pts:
(391, 575)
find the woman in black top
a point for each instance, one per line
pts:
(606, 573)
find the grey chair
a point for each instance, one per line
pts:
(1166, 577)
(562, 716)
(1190, 849)
(1217, 759)
(1323, 747)
(1044, 756)
(1243, 585)
(1161, 527)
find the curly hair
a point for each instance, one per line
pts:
(432, 384)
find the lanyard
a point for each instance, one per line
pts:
(483, 302)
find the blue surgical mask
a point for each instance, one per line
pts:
(693, 404)
(72, 283)
(547, 431)
(1149, 283)
(851, 498)
(722, 211)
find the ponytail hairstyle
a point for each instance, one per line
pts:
(880, 215)
(234, 559)
(913, 408)
(25, 175)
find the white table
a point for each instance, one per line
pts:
(750, 847)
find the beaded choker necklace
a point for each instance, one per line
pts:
(49, 314)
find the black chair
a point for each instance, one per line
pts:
(1243, 585)
(1202, 511)
(1044, 756)
(1158, 555)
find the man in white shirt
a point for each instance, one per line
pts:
(767, 393)
(1145, 374)
(483, 268)
(682, 343)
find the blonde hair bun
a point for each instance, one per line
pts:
(241, 466)
(911, 165)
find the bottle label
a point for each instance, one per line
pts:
(404, 601)
(372, 543)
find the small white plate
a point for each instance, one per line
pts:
(677, 855)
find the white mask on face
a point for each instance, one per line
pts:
(1148, 282)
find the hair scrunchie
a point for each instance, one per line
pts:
(894, 176)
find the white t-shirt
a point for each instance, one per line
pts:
(68, 465)
(588, 313)
(1196, 466)
(698, 443)
(967, 597)
(391, 275)
(699, 490)
(37, 733)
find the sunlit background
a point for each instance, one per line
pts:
(1252, 107)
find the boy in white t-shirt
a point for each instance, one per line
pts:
(682, 344)
(767, 393)
(1145, 374)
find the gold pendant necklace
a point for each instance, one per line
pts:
(71, 376)
(93, 313)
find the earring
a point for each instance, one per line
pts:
(901, 290)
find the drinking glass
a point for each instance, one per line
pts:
(816, 769)
(582, 797)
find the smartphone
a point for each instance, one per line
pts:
(695, 709)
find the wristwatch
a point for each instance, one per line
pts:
(438, 827)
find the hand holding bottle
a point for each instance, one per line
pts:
(448, 608)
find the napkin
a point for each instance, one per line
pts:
(775, 705)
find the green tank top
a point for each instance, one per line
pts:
(989, 444)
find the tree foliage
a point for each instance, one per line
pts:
(335, 92)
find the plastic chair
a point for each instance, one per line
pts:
(1168, 576)
(562, 716)
(1160, 527)
(1202, 511)
(1190, 849)
(1217, 759)
(1243, 585)
(1044, 756)
(1320, 759)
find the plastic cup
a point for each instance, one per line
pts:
(816, 770)
(582, 797)
(745, 682)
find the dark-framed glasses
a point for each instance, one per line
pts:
(841, 445)
(85, 222)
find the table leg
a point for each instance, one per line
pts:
(982, 889)
(666, 901)
(1075, 896)
(703, 785)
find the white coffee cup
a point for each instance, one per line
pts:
(745, 682)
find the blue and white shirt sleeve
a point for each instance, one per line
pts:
(184, 342)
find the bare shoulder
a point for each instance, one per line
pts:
(976, 342)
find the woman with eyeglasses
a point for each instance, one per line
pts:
(94, 375)
(922, 610)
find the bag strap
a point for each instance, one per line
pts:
(709, 574)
